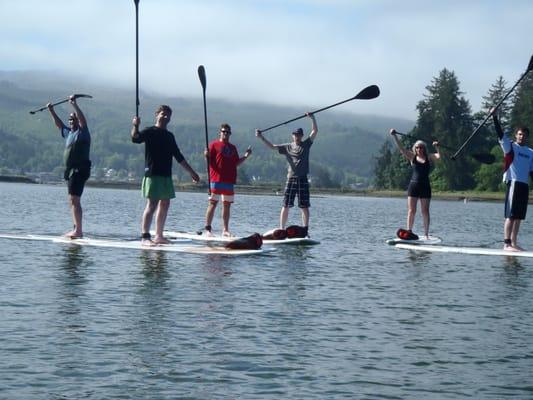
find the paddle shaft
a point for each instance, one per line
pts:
(367, 93)
(529, 68)
(137, 102)
(304, 115)
(61, 102)
(203, 81)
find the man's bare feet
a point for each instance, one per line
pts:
(73, 234)
(146, 240)
(508, 247)
(161, 240)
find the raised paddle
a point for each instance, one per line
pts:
(137, 102)
(484, 158)
(368, 93)
(203, 81)
(493, 109)
(76, 96)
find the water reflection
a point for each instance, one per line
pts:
(154, 261)
(73, 258)
(419, 259)
(513, 265)
(295, 256)
(515, 275)
(155, 272)
(74, 264)
(217, 268)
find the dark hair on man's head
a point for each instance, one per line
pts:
(225, 126)
(163, 107)
(298, 131)
(524, 129)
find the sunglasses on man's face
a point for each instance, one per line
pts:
(225, 131)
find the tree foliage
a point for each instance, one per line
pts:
(496, 93)
(522, 114)
(445, 115)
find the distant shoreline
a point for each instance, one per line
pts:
(275, 190)
(16, 179)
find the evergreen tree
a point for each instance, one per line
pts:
(496, 93)
(522, 113)
(486, 137)
(445, 115)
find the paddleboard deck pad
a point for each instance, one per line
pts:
(306, 241)
(484, 251)
(177, 246)
(431, 240)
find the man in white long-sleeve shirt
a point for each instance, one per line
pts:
(518, 158)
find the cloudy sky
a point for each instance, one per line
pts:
(299, 52)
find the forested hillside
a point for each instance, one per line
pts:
(342, 155)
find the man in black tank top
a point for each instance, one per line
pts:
(419, 186)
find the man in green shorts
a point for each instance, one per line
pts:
(157, 186)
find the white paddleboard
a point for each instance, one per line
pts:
(465, 250)
(306, 241)
(430, 240)
(176, 246)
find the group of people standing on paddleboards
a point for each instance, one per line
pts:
(518, 166)
(157, 185)
(223, 159)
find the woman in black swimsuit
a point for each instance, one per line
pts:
(419, 186)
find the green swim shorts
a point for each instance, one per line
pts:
(158, 187)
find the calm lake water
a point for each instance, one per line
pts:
(350, 318)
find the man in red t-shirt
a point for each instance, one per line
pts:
(223, 161)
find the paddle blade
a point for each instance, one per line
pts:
(486, 158)
(370, 92)
(201, 75)
(83, 95)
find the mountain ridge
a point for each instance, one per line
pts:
(345, 148)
